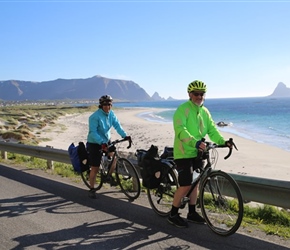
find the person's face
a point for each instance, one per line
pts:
(197, 97)
(107, 107)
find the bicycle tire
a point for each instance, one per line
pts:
(127, 178)
(99, 180)
(221, 203)
(161, 198)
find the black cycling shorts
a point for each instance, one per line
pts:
(185, 169)
(95, 154)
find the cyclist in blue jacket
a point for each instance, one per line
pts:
(99, 135)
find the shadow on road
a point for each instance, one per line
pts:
(132, 226)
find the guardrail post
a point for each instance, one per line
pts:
(49, 163)
(4, 155)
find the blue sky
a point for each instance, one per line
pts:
(238, 48)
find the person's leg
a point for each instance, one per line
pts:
(184, 179)
(93, 174)
(179, 194)
(94, 161)
(192, 215)
(174, 217)
(112, 169)
(193, 196)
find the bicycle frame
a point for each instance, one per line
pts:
(114, 156)
(203, 173)
(204, 170)
(109, 163)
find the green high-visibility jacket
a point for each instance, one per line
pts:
(192, 123)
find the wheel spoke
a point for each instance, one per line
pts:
(161, 198)
(221, 203)
(128, 178)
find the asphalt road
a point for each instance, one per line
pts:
(42, 211)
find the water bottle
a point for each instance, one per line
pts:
(195, 175)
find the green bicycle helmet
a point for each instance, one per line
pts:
(196, 86)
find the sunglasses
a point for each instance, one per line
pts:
(107, 104)
(197, 94)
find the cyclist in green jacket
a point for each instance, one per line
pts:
(192, 122)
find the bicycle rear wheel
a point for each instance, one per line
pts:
(221, 203)
(161, 198)
(128, 178)
(99, 180)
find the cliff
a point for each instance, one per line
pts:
(281, 91)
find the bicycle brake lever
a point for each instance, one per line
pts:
(130, 144)
(235, 146)
(231, 149)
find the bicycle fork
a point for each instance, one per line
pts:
(219, 200)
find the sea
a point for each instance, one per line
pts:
(261, 119)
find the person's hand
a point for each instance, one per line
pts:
(200, 145)
(104, 147)
(128, 138)
(230, 144)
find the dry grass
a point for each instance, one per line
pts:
(24, 123)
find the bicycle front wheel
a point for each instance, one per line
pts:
(99, 180)
(128, 178)
(161, 198)
(221, 203)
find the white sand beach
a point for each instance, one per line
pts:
(251, 159)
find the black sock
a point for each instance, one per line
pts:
(174, 211)
(191, 209)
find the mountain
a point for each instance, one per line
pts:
(157, 97)
(281, 91)
(72, 89)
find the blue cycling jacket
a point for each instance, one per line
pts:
(100, 124)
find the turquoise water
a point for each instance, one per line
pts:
(261, 119)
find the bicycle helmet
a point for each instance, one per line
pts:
(196, 86)
(105, 99)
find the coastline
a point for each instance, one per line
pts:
(252, 158)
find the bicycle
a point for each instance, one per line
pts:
(220, 198)
(125, 173)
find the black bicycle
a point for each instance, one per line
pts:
(125, 173)
(220, 198)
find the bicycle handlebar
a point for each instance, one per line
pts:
(210, 145)
(113, 143)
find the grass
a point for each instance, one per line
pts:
(270, 219)
(24, 123)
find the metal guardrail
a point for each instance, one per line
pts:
(261, 190)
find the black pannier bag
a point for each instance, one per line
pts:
(151, 166)
(167, 153)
